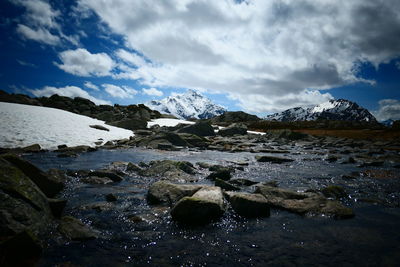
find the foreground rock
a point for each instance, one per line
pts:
(204, 206)
(303, 203)
(248, 205)
(74, 229)
(178, 171)
(163, 192)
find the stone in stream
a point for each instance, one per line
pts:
(50, 184)
(32, 148)
(334, 191)
(75, 229)
(225, 185)
(106, 174)
(96, 180)
(242, 182)
(57, 206)
(205, 206)
(248, 205)
(223, 174)
(273, 159)
(178, 171)
(303, 203)
(163, 192)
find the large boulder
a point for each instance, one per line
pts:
(233, 129)
(200, 128)
(203, 207)
(303, 203)
(163, 192)
(48, 183)
(170, 170)
(74, 229)
(248, 205)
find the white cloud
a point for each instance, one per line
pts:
(40, 35)
(92, 86)
(152, 92)
(42, 23)
(81, 62)
(26, 64)
(119, 91)
(388, 109)
(264, 49)
(69, 91)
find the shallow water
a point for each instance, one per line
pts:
(371, 238)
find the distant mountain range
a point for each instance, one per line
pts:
(340, 110)
(191, 104)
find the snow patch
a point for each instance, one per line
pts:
(24, 125)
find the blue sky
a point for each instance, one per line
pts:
(257, 56)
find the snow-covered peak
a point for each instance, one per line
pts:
(190, 104)
(340, 109)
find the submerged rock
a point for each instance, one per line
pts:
(204, 206)
(303, 203)
(163, 192)
(273, 159)
(74, 229)
(248, 205)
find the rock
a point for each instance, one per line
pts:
(194, 140)
(203, 165)
(130, 124)
(99, 127)
(143, 132)
(204, 206)
(225, 185)
(74, 229)
(96, 180)
(303, 203)
(380, 174)
(163, 192)
(272, 159)
(133, 167)
(57, 206)
(32, 148)
(111, 198)
(169, 169)
(223, 174)
(50, 185)
(165, 146)
(234, 116)
(233, 129)
(371, 164)
(286, 134)
(23, 249)
(248, 205)
(242, 182)
(76, 149)
(98, 206)
(334, 191)
(106, 174)
(67, 155)
(200, 129)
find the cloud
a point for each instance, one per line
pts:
(119, 91)
(41, 23)
(40, 35)
(263, 49)
(81, 62)
(91, 86)
(388, 109)
(69, 91)
(26, 64)
(152, 92)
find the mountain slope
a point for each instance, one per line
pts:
(341, 110)
(188, 105)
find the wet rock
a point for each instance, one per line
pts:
(133, 167)
(371, 164)
(248, 205)
(76, 149)
(199, 129)
(57, 206)
(111, 198)
(170, 170)
(98, 206)
(32, 148)
(50, 185)
(334, 191)
(99, 127)
(204, 206)
(331, 158)
(165, 146)
(380, 174)
(67, 155)
(350, 160)
(304, 203)
(271, 159)
(107, 174)
(96, 180)
(233, 129)
(163, 192)
(203, 165)
(242, 182)
(223, 174)
(226, 185)
(74, 229)
(194, 140)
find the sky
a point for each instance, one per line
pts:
(254, 55)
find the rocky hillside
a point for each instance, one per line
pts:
(130, 117)
(336, 110)
(188, 105)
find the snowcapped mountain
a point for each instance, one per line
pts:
(341, 109)
(188, 105)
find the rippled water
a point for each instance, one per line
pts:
(284, 239)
